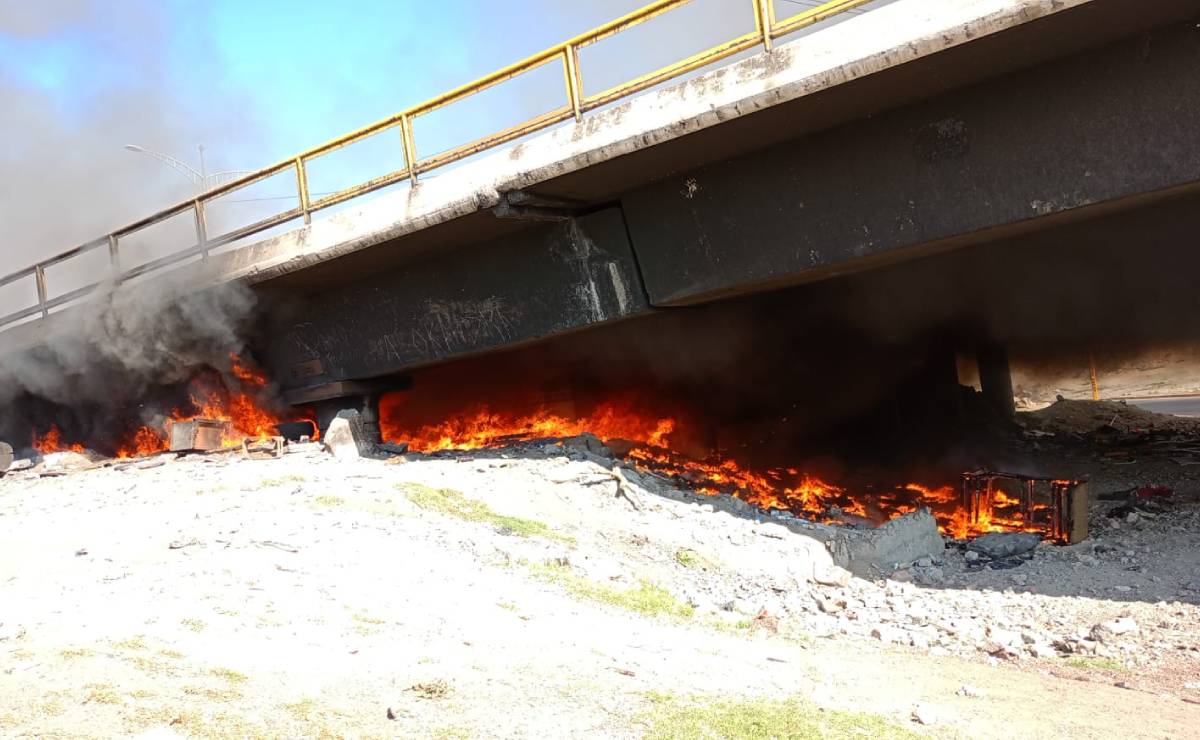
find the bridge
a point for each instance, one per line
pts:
(966, 144)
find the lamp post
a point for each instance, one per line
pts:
(199, 177)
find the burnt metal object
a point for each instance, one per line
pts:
(294, 431)
(1057, 508)
(198, 435)
(267, 448)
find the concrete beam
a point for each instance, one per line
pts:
(541, 282)
(990, 161)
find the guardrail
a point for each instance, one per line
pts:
(766, 29)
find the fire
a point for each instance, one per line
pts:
(145, 441)
(237, 398)
(51, 441)
(655, 449)
(483, 428)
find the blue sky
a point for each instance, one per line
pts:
(259, 80)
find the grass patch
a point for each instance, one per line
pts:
(213, 694)
(301, 710)
(674, 718)
(195, 625)
(291, 478)
(148, 666)
(172, 654)
(437, 689)
(74, 653)
(230, 675)
(688, 558)
(328, 499)
(507, 606)
(452, 503)
(101, 693)
(451, 733)
(646, 598)
(133, 643)
(1104, 664)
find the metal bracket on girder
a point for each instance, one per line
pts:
(524, 206)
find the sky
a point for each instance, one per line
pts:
(255, 81)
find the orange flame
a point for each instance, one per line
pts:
(51, 441)
(653, 435)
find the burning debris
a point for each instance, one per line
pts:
(664, 446)
(214, 410)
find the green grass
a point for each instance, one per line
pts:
(282, 480)
(687, 558)
(646, 598)
(1106, 664)
(328, 499)
(230, 675)
(675, 718)
(452, 503)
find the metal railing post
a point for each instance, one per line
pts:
(764, 20)
(410, 147)
(39, 275)
(114, 256)
(574, 80)
(201, 229)
(302, 188)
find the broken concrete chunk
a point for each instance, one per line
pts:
(1106, 631)
(346, 438)
(997, 545)
(6, 456)
(67, 462)
(902, 540)
(589, 442)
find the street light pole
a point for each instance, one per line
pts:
(199, 177)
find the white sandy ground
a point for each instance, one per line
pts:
(306, 597)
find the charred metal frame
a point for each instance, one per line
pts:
(1066, 502)
(197, 435)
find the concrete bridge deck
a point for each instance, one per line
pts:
(920, 126)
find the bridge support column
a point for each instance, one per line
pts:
(995, 379)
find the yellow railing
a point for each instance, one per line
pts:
(766, 29)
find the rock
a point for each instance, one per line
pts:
(889, 635)
(925, 715)
(1002, 642)
(904, 539)
(997, 545)
(901, 576)
(67, 462)
(934, 576)
(826, 604)
(6, 456)
(1106, 631)
(971, 556)
(589, 442)
(924, 562)
(346, 438)
(832, 575)
(1042, 650)
(1192, 585)
(970, 692)
(1131, 517)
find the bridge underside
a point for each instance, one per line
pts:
(1053, 202)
